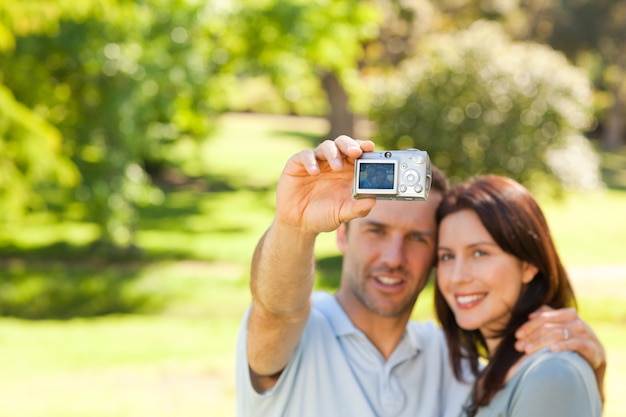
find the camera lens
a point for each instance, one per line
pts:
(387, 154)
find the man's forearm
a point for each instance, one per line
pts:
(283, 270)
(282, 277)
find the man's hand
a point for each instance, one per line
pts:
(314, 192)
(563, 330)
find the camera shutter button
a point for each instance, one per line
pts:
(418, 159)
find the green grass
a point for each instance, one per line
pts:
(117, 366)
(588, 228)
(222, 227)
(175, 354)
(251, 152)
(179, 362)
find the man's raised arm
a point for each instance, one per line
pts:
(313, 196)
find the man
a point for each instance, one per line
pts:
(356, 353)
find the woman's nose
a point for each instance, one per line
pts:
(460, 271)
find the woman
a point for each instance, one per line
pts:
(497, 263)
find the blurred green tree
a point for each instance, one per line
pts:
(31, 158)
(479, 103)
(129, 85)
(31, 162)
(593, 35)
(302, 46)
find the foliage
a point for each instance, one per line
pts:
(294, 42)
(127, 86)
(593, 34)
(481, 103)
(31, 157)
(130, 86)
(31, 163)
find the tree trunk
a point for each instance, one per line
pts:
(614, 131)
(340, 118)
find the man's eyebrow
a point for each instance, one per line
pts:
(424, 233)
(428, 233)
(374, 223)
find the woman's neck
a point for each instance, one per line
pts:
(492, 343)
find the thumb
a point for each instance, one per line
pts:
(361, 207)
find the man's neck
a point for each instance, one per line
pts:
(385, 333)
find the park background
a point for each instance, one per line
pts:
(141, 141)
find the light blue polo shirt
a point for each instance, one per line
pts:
(337, 372)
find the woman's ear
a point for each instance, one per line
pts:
(528, 272)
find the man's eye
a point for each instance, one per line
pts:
(420, 237)
(417, 237)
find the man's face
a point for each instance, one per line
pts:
(388, 256)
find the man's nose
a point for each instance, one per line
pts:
(393, 252)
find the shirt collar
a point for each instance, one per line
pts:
(330, 308)
(341, 324)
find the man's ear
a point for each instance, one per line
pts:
(341, 237)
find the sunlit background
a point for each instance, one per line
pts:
(141, 141)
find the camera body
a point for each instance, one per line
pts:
(392, 175)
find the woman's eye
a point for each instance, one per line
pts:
(479, 253)
(445, 257)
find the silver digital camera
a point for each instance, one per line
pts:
(393, 175)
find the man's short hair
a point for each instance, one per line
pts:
(440, 180)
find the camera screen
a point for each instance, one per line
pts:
(376, 176)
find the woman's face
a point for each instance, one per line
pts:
(480, 282)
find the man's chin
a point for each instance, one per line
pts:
(388, 310)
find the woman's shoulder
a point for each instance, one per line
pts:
(556, 366)
(554, 376)
(555, 384)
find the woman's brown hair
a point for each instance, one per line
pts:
(515, 221)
